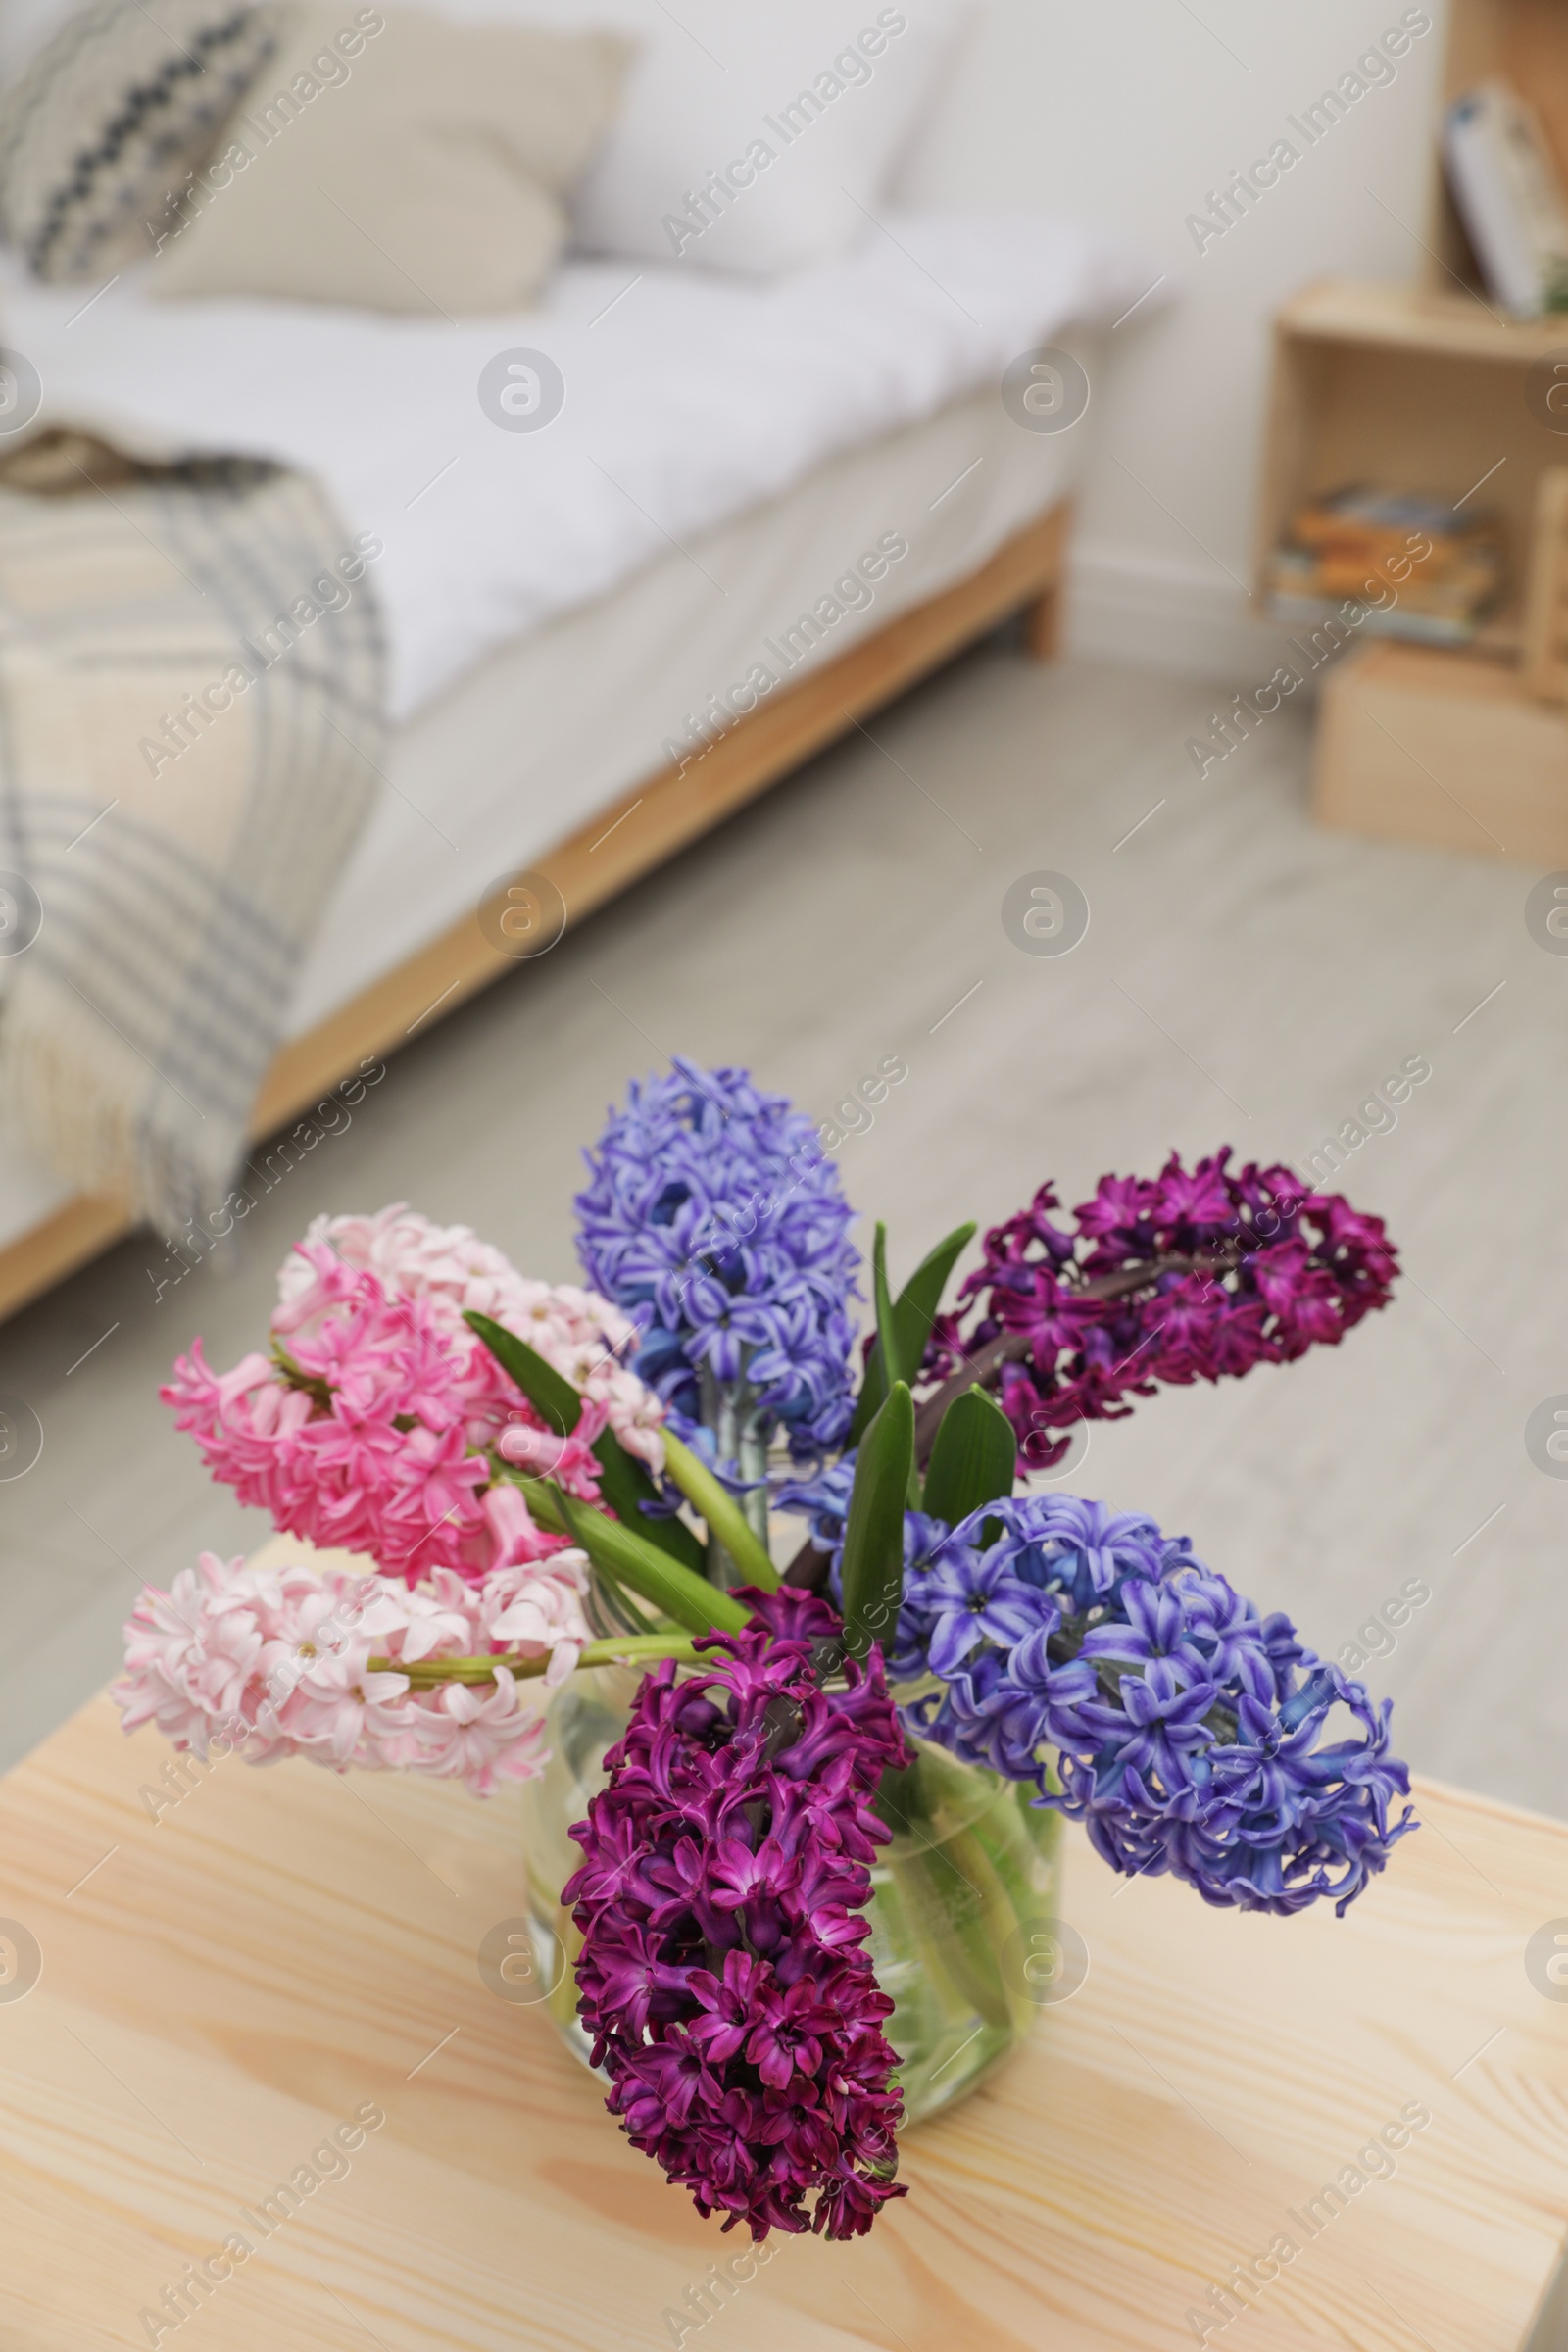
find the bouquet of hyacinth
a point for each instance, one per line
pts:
(538, 1480)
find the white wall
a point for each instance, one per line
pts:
(1129, 112)
(23, 24)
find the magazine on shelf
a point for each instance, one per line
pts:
(1508, 193)
(1420, 566)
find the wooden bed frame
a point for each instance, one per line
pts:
(622, 844)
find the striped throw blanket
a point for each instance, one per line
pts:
(190, 733)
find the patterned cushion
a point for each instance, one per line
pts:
(103, 127)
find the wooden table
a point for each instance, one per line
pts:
(223, 1986)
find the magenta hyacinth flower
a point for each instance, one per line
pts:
(720, 1895)
(1208, 1272)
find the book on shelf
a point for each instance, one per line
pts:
(1508, 193)
(1363, 545)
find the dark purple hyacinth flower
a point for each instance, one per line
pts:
(722, 1976)
(1213, 1273)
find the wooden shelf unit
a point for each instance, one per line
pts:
(1438, 748)
(1427, 388)
(1413, 390)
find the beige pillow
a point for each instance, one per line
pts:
(110, 115)
(396, 160)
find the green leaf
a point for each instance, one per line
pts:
(723, 1514)
(974, 1460)
(622, 1481)
(550, 1392)
(873, 1541)
(544, 1503)
(887, 1330)
(913, 1313)
(691, 1601)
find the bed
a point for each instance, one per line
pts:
(842, 425)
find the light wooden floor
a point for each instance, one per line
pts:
(1244, 979)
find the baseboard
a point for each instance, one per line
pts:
(1152, 614)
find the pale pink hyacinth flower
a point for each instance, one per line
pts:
(273, 1661)
(582, 1335)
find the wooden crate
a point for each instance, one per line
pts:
(1426, 388)
(1546, 626)
(1415, 391)
(1416, 745)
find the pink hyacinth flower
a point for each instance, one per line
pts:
(274, 1662)
(377, 1425)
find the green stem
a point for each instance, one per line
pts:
(753, 1467)
(719, 1411)
(635, 1619)
(983, 1369)
(959, 1878)
(727, 1525)
(314, 1385)
(622, 1650)
(675, 1591)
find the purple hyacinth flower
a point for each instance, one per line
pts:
(1148, 1699)
(972, 1598)
(721, 1899)
(714, 1219)
(1201, 1274)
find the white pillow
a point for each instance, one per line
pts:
(813, 100)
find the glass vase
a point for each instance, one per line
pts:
(962, 1910)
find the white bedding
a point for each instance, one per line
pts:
(688, 399)
(489, 778)
(771, 433)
